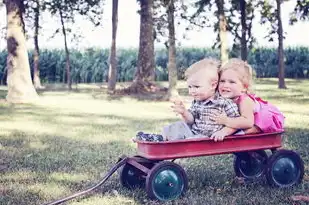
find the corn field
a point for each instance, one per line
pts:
(91, 65)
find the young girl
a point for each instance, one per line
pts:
(257, 115)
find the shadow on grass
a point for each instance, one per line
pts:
(99, 92)
(41, 167)
(38, 167)
(61, 166)
(58, 168)
(293, 95)
(3, 94)
(99, 122)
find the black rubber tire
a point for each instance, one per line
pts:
(285, 168)
(131, 177)
(250, 165)
(166, 181)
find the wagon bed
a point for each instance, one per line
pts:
(205, 146)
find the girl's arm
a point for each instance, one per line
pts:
(246, 119)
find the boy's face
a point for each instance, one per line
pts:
(200, 86)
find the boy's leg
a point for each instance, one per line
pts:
(177, 131)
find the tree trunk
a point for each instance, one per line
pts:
(281, 83)
(172, 71)
(36, 52)
(112, 73)
(145, 71)
(20, 87)
(222, 31)
(67, 53)
(243, 41)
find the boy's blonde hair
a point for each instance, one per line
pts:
(209, 67)
(243, 69)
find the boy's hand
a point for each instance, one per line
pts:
(219, 135)
(178, 107)
(219, 118)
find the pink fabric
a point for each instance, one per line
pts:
(266, 116)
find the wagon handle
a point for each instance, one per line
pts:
(120, 162)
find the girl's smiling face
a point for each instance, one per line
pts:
(230, 84)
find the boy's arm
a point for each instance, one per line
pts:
(187, 117)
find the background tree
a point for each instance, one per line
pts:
(36, 52)
(145, 71)
(2, 28)
(33, 13)
(272, 14)
(67, 10)
(220, 26)
(172, 70)
(2, 36)
(112, 73)
(20, 87)
(240, 18)
(301, 11)
(280, 47)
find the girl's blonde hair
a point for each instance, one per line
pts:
(243, 69)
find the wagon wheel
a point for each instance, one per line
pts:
(131, 177)
(250, 165)
(166, 181)
(285, 168)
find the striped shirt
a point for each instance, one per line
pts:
(201, 112)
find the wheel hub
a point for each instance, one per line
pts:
(285, 171)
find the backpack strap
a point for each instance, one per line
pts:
(256, 99)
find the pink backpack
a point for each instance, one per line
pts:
(268, 118)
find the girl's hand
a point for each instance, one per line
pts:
(178, 107)
(219, 118)
(219, 135)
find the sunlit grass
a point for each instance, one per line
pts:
(68, 140)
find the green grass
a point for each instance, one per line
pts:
(68, 141)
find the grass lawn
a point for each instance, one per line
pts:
(68, 141)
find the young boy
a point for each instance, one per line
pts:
(202, 79)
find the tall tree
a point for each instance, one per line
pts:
(67, 10)
(36, 51)
(281, 66)
(67, 53)
(243, 16)
(240, 18)
(20, 87)
(172, 71)
(2, 27)
(112, 73)
(222, 25)
(145, 75)
(272, 14)
(301, 11)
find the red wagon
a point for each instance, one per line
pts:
(154, 167)
(166, 180)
